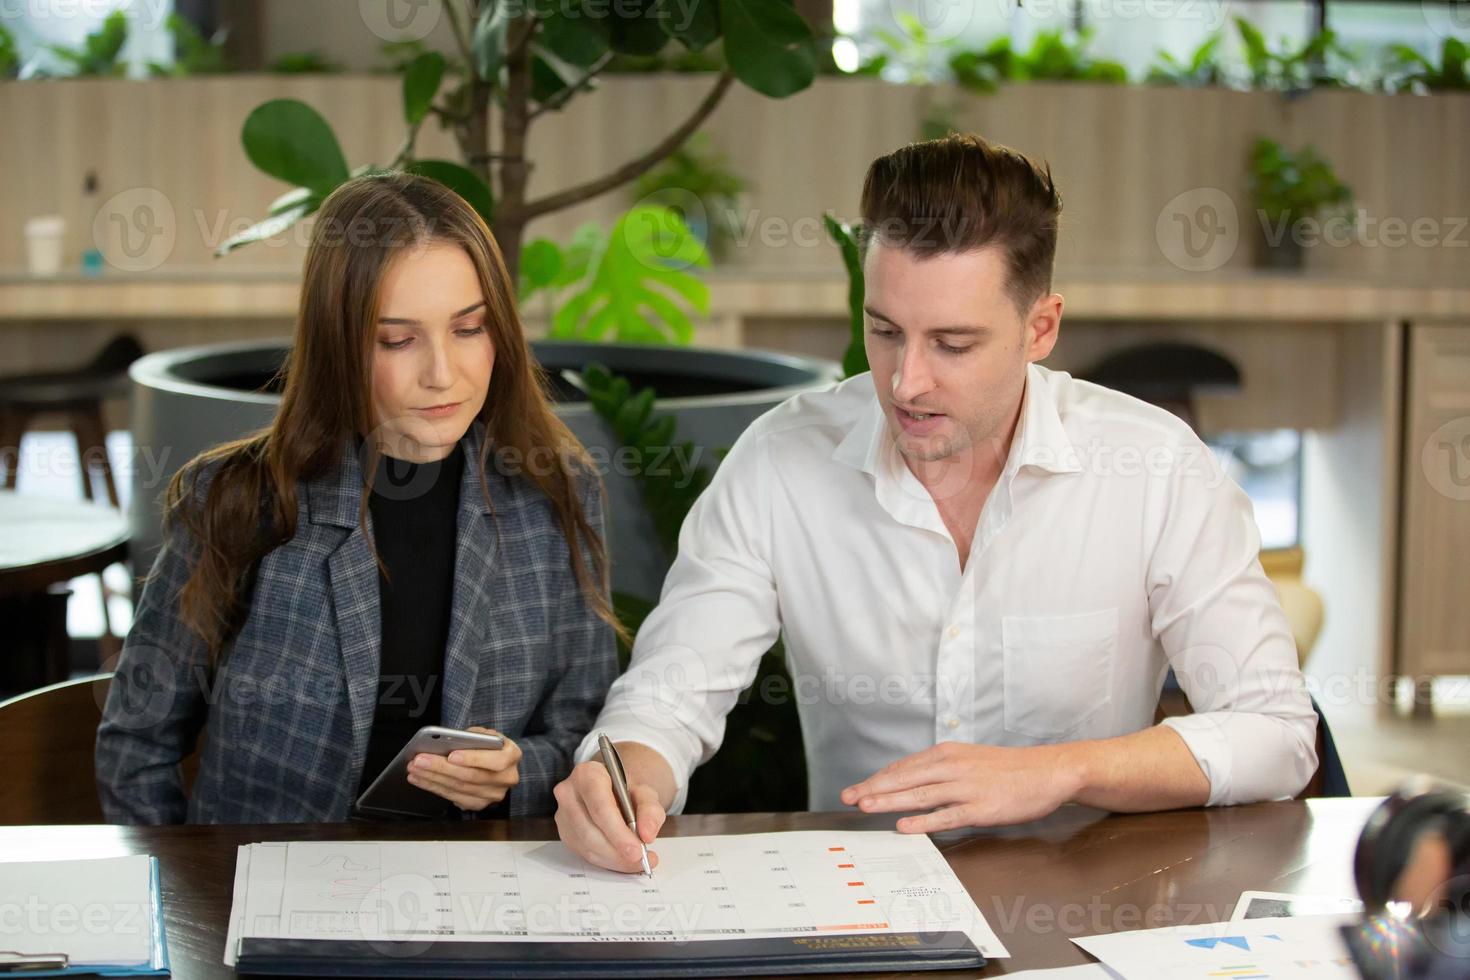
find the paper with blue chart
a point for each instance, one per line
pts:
(749, 886)
(1300, 948)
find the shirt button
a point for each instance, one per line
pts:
(953, 723)
(954, 631)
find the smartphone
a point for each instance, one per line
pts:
(391, 795)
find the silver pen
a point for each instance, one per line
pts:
(614, 765)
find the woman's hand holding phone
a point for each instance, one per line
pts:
(471, 779)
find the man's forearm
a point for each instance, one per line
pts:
(645, 765)
(1148, 770)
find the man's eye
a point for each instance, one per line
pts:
(880, 332)
(952, 350)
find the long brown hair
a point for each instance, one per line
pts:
(250, 505)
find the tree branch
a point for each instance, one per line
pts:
(633, 168)
(460, 39)
(565, 95)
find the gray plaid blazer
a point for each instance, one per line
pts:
(290, 708)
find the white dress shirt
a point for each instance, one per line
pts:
(1111, 548)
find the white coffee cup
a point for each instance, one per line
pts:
(45, 244)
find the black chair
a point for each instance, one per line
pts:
(77, 394)
(1169, 375)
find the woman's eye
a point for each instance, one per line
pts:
(395, 344)
(471, 331)
(878, 332)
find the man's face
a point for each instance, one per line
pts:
(944, 339)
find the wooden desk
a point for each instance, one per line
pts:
(1076, 873)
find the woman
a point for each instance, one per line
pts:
(415, 540)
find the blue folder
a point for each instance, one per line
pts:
(157, 964)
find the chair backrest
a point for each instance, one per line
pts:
(47, 737)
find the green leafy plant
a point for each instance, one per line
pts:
(1410, 69)
(9, 54)
(633, 286)
(764, 720)
(529, 61)
(98, 55)
(304, 63)
(697, 174)
(1289, 188)
(1292, 186)
(1053, 56)
(195, 54)
(855, 358)
(1200, 69)
(912, 55)
(1283, 68)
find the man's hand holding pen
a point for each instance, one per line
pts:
(590, 821)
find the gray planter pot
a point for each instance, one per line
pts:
(189, 399)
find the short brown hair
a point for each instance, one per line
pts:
(962, 193)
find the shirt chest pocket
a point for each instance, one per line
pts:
(1058, 671)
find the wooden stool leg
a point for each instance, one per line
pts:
(12, 428)
(92, 448)
(91, 436)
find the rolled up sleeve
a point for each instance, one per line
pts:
(1220, 622)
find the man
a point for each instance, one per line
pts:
(982, 569)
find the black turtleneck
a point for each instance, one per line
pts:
(414, 508)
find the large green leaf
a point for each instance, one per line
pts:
(420, 84)
(634, 28)
(641, 291)
(541, 263)
(855, 359)
(695, 23)
(769, 46)
(291, 141)
(462, 180)
(573, 36)
(488, 42)
(279, 221)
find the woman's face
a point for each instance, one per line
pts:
(433, 355)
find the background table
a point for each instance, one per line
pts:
(44, 542)
(1077, 873)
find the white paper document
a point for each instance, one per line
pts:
(704, 888)
(99, 912)
(1280, 905)
(1303, 948)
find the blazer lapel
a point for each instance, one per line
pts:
(334, 500)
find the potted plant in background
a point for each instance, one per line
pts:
(696, 182)
(1288, 190)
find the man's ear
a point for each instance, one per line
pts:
(1042, 326)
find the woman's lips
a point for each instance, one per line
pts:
(439, 411)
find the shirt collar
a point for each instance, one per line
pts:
(1041, 440)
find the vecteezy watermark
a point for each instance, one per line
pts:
(1209, 13)
(414, 20)
(1198, 230)
(1446, 459)
(401, 20)
(136, 230)
(1447, 18)
(1366, 230)
(30, 916)
(145, 14)
(937, 20)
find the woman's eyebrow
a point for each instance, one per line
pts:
(409, 322)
